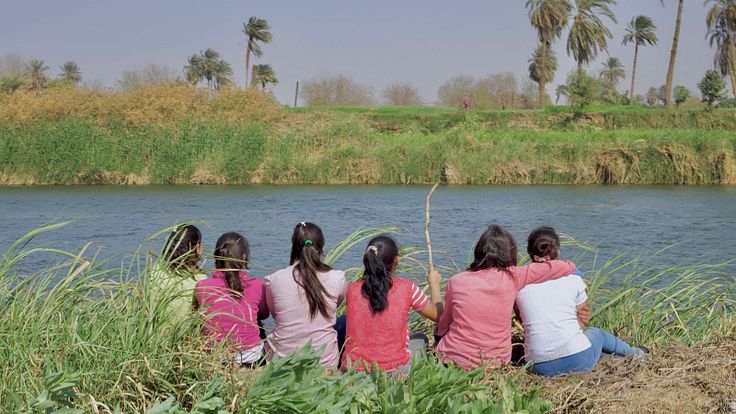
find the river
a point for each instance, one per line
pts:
(698, 224)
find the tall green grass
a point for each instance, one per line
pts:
(85, 335)
(378, 146)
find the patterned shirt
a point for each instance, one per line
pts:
(383, 337)
(294, 326)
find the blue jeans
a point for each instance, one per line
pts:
(584, 361)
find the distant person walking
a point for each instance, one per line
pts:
(467, 103)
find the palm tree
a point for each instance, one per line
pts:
(37, 73)
(194, 70)
(548, 17)
(256, 30)
(216, 71)
(640, 31)
(70, 72)
(612, 71)
(722, 58)
(538, 71)
(562, 90)
(588, 34)
(264, 74)
(673, 56)
(721, 21)
(208, 66)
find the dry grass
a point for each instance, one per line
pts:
(166, 105)
(678, 379)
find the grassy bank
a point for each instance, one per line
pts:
(182, 136)
(75, 334)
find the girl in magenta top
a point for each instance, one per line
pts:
(232, 301)
(378, 309)
(476, 323)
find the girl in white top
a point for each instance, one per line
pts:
(303, 299)
(554, 314)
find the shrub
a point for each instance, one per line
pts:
(711, 88)
(682, 94)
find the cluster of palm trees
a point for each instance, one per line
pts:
(257, 33)
(588, 35)
(36, 75)
(208, 67)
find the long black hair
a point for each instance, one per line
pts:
(307, 245)
(181, 248)
(232, 253)
(379, 260)
(543, 242)
(496, 248)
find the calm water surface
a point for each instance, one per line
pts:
(699, 223)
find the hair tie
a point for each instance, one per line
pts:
(541, 259)
(303, 224)
(373, 249)
(308, 242)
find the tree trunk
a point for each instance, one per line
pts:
(673, 55)
(253, 77)
(247, 64)
(542, 74)
(633, 74)
(732, 63)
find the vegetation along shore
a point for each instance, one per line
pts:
(174, 134)
(84, 336)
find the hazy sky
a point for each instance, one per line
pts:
(377, 42)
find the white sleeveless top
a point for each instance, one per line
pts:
(549, 315)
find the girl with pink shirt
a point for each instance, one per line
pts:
(303, 299)
(232, 301)
(476, 323)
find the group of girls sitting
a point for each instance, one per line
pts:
(473, 322)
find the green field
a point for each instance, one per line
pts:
(182, 137)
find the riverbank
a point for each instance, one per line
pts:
(81, 334)
(183, 137)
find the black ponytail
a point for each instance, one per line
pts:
(307, 244)
(378, 261)
(181, 248)
(232, 253)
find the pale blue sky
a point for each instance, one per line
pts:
(377, 42)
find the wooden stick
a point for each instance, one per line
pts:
(426, 226)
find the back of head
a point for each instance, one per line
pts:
(543, 242)
(496, 248)
(181, 248)
(307, 246)
(232, 253)
(379, 260)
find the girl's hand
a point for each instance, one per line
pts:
(434, 277)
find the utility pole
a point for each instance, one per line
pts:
(296, 94)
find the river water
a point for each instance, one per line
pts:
(698, 224)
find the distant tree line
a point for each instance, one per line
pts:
(583, 21)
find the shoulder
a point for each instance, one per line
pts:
(334, 274)
(279, 275)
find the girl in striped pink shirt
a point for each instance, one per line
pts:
(378, 309)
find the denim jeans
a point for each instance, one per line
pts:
(584, 361)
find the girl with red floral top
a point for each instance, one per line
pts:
(378, 309)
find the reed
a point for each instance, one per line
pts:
(86, 335)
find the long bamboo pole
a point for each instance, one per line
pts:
(426, 226)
